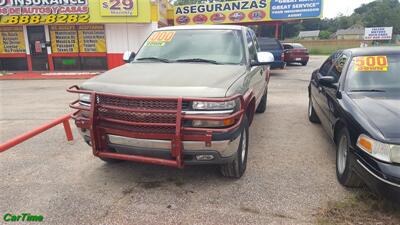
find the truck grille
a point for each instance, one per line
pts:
(140, 104)
(123, 114)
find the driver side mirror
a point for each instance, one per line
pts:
(263, 59)
(128, 56)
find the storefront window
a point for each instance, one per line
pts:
(64, 39)
(80, 47)
(12, 49)
(92, 38)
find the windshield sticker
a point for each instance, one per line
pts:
(371, 64)
(160, 38)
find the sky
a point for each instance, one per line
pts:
(333, 7)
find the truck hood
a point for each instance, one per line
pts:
(382, 110)
(167, 79)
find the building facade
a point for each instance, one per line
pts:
(51, 35)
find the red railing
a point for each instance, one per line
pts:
(108, 114)
(17, 140)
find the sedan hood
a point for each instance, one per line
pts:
(167, 79)
(382, 110)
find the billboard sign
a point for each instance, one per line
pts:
(221, 12)
(378, 33)
(295, 9)
(247, 11)
(29, 12)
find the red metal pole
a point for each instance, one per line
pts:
(68, 130)
(17, 140)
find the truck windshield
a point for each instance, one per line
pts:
(374, 73)
(193, 46)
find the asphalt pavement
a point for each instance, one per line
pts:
(290, 174)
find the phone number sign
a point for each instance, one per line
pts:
(118, 8)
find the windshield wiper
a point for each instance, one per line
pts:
(198, 60)
(154, 59)
(367, 90)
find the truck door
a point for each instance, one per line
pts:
(257, 73)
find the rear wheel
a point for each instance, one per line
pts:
(304, 63)
(237, 167)
(345, 161)
(263, 104)
(312, 115)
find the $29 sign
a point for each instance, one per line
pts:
(117, 4)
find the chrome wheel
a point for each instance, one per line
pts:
(244, 145)
(342, 154)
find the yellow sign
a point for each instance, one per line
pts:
(245, 11)
(160, 38)
(92, 38)
(222, 12)
(26, 12)
(371, 63)
(12, 40)
(64, 39)
(118, 8)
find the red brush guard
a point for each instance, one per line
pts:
(146, 118)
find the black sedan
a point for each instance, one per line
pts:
(355, 95)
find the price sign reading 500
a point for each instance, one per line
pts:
(118, 7)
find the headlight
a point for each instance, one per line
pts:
(385, 152)
(214, 105)
(84, 99)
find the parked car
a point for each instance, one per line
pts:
(355, 95)
(187, 97)
(296, 53)
(275, 47)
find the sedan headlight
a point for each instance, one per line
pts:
(385, 152)
(214, 105)
(84, 99)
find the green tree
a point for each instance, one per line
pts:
(325, 34)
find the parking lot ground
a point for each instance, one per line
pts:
(290, 177)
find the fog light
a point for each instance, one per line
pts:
(204, 157)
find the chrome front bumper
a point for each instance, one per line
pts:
(225, 148)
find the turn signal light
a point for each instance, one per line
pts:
(229, 122)
(365, 144)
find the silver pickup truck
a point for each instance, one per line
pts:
(187, 97)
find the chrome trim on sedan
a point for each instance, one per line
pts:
(376, 176)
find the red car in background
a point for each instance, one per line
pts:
(296, 53)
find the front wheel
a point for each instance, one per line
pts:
(345, 161)
(312, 115)
(237, 167)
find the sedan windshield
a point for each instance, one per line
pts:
(374, 74)
(193, 46)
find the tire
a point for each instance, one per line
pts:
(312, 115)
(237, 167)
(262, 107)
(345, 162)
(111, 161)
(304, 63)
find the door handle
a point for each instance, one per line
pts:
(320, 89)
